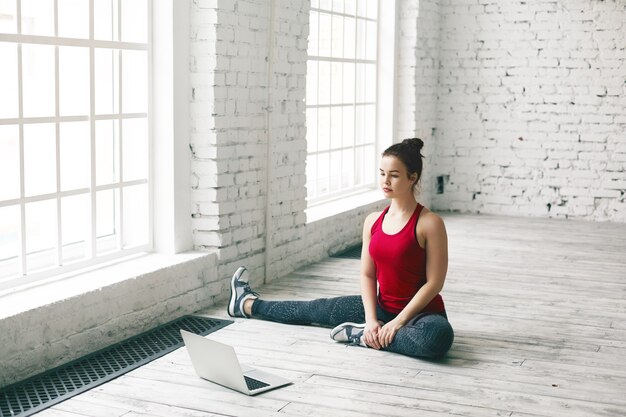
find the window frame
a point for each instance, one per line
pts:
(91, 258)
(384, 100)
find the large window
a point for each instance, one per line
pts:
(74, 134)
(341, 97)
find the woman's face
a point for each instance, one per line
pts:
(394, 179)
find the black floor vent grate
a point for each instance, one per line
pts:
(44, 390)
(353, 252)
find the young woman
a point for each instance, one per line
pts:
(403, 268)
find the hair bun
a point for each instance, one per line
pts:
(415, 143)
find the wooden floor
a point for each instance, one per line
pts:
(539, 311)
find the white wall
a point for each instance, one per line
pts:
(532, 108)
(418, 69)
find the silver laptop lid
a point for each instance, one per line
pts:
(215, 361)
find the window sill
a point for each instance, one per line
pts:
(334, 207)
(21, 299)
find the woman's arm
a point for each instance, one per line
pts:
(368, 286)
(433, 230)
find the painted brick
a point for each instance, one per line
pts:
(561, 81)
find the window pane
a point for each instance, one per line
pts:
(350, 6)
(337, 37)
(134, 81)
(325, 4)
(358, 166)
(324, 35)
(134, 21)
(361, 8)
(107, 146)
(370, 47)
(74, 18)
(41, 234)
(75, 156)
(311, 83)
(336, 80)
(8, 80)
(311, 175)
(360, 83)
(107, 209)
(370, 83)
(104, 27)
(361, 37)
(347, 168)
(311, 129)
(348, 83)
(134, 149)
(369, 165)
(335, 171)
(359, 134)
(372, 9)
(75, 227)
(73, 81)
(348, 126)
(38, 80)
(322, 173)
(38, 17)
(135, 219)
(9, 241)
(9, 162)
(40, 159)
(324, 83)
(323, 124)
(349, 27)
(336, 126)
(338, 6)
(8, 16)
(106, 62)
(370, 124)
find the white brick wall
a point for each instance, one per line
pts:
(249, 164)
(418, 62)
(229, 136)
(531, 108)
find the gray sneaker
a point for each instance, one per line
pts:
(239, 292)
(349, 333)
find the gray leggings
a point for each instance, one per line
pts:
(427, 335)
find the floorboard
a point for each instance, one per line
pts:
(539, 311)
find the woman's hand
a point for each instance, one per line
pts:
(388, 332)
(371, 334)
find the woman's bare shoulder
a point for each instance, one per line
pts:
(370, 219)
(431, 222)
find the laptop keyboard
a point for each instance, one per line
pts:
(254, 383)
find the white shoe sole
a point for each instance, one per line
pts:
(233, 298)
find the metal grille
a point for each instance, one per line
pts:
(42, 391)
(353, 252)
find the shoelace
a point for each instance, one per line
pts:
(248, 290)
(355, 340)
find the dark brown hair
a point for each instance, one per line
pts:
(409, 151)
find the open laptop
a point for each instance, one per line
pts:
(218, 363)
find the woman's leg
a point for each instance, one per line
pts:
(324, 311)
(426, 336)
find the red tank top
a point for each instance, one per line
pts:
(400, 265)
